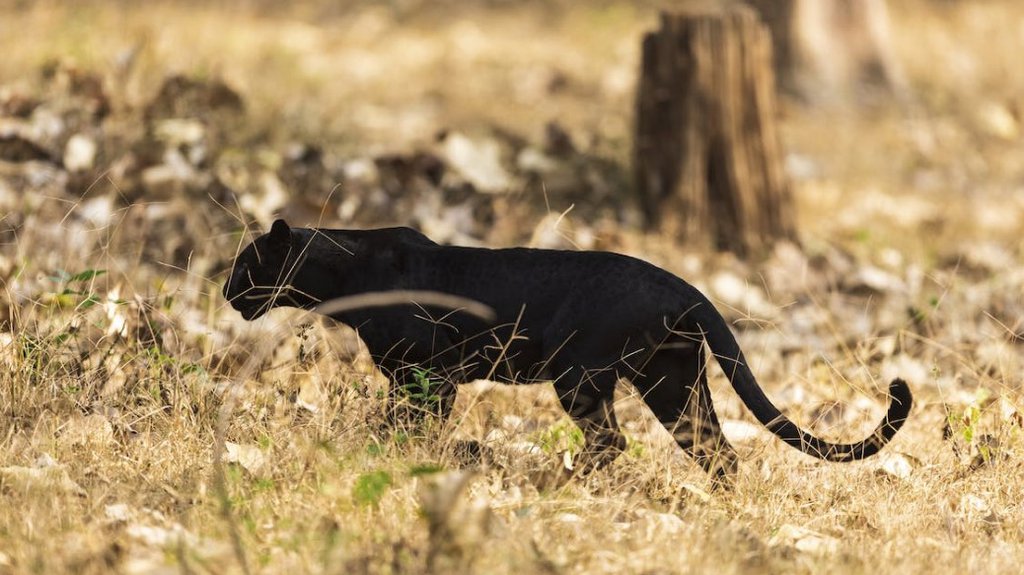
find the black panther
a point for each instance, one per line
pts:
(581, 319)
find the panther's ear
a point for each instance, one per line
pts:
(280, 235)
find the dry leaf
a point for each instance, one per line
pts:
(699, 493)
(311, 396)
(250, 457)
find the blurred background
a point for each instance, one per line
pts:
(444, 114)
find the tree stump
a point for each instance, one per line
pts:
(707, 154)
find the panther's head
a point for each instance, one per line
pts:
(261, 277)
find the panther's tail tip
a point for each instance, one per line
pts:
(901, 398)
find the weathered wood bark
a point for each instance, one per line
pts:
(832, 49)
(707, 158)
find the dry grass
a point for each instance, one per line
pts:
(112, 385)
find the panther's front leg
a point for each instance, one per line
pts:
(589, 403)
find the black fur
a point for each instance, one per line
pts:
(581, 319)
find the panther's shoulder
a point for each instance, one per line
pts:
(367, 241)
(409, 235)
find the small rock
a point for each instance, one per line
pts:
(98, 211)
(739, 431)
(162, 182)
(988, 256)
(180, 132)
(894, 465)
(272, 197)
(905, 367)
(479, 162)
(532, 160)
(872, 280)
(79, 153)
(742, 295)
(361, 171)
(568, 518)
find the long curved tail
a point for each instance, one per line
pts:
(725, 348)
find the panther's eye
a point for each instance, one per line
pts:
(239, 275)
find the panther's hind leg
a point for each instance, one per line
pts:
(673, 383)
(587, 396)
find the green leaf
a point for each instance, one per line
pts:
(65, 300)
(89, 302)
(425, 469)
(263, 484)
(190, 368)
(370, 487)
(84, 276)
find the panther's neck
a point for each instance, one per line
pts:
(341, 263)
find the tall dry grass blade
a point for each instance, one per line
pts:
(403, 297)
